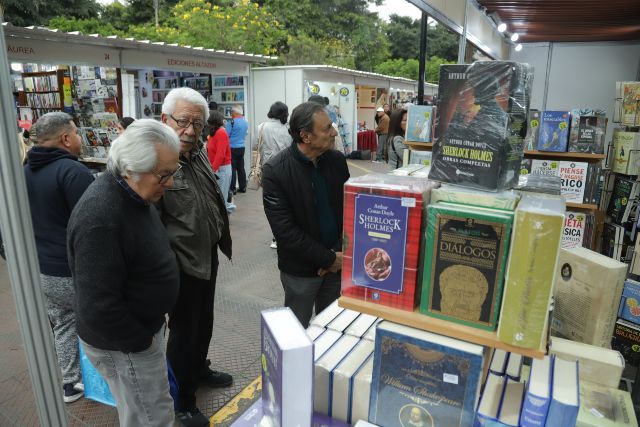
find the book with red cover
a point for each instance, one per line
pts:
(384, 218)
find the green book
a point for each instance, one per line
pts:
(506, 200)
(464, 263)
(537, 230)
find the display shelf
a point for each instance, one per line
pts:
(563, 155)
(582, 206)
(419, 146)
(228, 87)
(438, 326)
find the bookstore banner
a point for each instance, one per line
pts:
(46, 52)
(177, 62)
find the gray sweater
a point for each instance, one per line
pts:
(125, 273)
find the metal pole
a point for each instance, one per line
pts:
(22, 261)
(156, 6)
(423, 57)
(462, 45)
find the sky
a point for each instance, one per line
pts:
(399, 7)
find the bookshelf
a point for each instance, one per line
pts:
(228, 91)
(43, 93)
(561, 155)
(417, 320)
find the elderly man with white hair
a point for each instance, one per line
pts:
(195, 216)
(125, 274)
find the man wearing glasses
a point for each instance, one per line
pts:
(125, 274)
(195, 217)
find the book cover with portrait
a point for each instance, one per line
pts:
(481, 124)
(383, 223)
(464, 264)
(423, 379)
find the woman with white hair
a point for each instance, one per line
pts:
(125, 274)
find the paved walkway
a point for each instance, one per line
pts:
(246, 286)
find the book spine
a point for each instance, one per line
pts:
(534, 411)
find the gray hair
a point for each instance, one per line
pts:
(237, 109)
(51, 124)
(134, 152)
(188, 95)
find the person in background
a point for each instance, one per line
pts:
(382, 130)
(275, 137)
(303, 192)
(55, 182)
(124, 123)
(125, 273)
(219, 153)
(195, 217)
(387, 109)
(237, 129)
(397, 128)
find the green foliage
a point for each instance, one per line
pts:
(304, 50)
(39, 12)
(85, 26)
(404, 38)
(409, 68)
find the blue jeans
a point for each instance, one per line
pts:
(224, 175)
(138, 382)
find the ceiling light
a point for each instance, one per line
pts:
(514, 37)
(518, 47)
(502, 27)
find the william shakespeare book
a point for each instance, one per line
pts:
(383, 223)
(587, 130)
(287, 394)
(465, 260)
(481, 125)
(554, 131)
(421, 378)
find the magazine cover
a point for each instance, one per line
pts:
(419, 120)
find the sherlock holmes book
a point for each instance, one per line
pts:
(465, 261)
(383, 223)
(423, 379)
(481, 124)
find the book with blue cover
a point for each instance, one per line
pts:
(287, 394)
(565, 402)
(554, 131)
(538, 394)
(419, 120)
(511, 403)
(421, 377)
(487, 413)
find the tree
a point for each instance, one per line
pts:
(409, 68)
(404, 39)
(304, 49)
(39, 12)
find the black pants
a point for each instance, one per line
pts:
(237, 168)
(302, 293)
(190, 329)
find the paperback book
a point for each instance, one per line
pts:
(533, 130)
(629, 308)
(587, 130)
(554, 131)
(573, 231)
(631, 103)
(481, 126)
(626, 339)
(419, 123)
(465, 260)
(423, 377)
(573, 177)
(626, 152)
(565, 394)
(383, 223)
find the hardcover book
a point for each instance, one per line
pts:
(360, 326)
(419, 121)
(506, 200)
(626, 152)
(314, 332)
(538, 394)
(622, 193)
(343, 320)
(533, 130)
(573, 176)
(587, 130)
(630, 302)
(511, 406)
(597, 365)
(287, 393)
(554, 131)
(535, 241)
(605, 407)
(362, 392)
(573, 231)
(465, 257)
(588, 288)
(565, 395)
(423, 377)
(324, 342)
(514, 367)
(342, 380)
(325, 317)
(481, 125)
(383, 223)
(323, 373)
(499, 361)
(487, 413)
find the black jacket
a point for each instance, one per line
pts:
(290, 206)
(55, 182)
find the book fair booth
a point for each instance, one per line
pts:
(101, 79)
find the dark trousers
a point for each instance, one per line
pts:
(302, 293)
(190, 329)
(237, 169)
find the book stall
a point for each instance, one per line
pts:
(464, 302)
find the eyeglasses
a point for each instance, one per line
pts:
(185, 123)
(167, 177)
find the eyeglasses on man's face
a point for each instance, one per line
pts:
(167, 177)
(185, 123)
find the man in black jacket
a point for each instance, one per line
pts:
(55, 182)
(303, 199)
